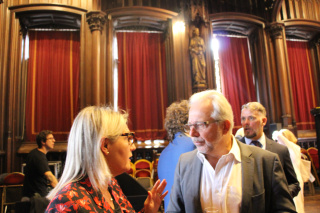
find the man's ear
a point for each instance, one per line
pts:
(104, 145)
(264, 121)
(226, 126)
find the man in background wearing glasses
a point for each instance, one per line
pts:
(222, 172)
(37, 171)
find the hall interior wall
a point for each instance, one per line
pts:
(266, 29)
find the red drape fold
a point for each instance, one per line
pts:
(142, 82)
(236, 74)
(302, 84)
(52, 83)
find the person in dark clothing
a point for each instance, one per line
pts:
(37, 171)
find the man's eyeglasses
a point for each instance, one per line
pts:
(198, 126)
(130, 136)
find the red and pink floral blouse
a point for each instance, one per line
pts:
(81, 197)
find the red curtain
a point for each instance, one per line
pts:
(53, 82)
(236, 74)
(142, 82)
(302, 84)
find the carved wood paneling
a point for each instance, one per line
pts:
(4, 34)
(84, 4)
(300, 9)
(252, 7)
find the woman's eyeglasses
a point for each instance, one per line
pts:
(130, 136)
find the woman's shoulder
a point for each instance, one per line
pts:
(70, 190)
(71, 197)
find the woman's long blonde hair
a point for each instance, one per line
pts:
(84, 155)
(289, 135)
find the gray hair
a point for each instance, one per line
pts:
(222, 110)
(255, 106)
(177, 115)
(84, 155)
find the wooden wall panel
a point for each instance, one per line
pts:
(4, 35)
(301, 9)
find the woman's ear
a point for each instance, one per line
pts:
(104, 145)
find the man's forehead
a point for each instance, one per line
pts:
(200, 110)
(248, 112)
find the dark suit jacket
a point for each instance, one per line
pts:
(286, 163)
(264, 186)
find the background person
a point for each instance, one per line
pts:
(180, 142)
(99, 148)
(37, 171)
(287, 138)
(253, 119)
(214, 173)
(239, 134)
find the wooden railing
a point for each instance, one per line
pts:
(307, 142)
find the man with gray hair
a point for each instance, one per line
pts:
(253, 119)
(223, 173)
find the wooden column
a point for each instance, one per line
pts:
(13, 70)
(315, 54)
(282, 69)
(96, 21)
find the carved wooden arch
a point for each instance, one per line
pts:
(60, 10)
(302, 28)
(237, 22)
(276, 10)
(308, 30)
(138, 16)
(253, 27)
(15, 68)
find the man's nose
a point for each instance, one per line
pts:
(193, 132)
(244, 121)
(133, 147)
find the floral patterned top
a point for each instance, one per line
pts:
(81, 197)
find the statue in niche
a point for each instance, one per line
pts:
(197, 50)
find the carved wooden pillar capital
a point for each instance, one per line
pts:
(276, 31)
(96, 20)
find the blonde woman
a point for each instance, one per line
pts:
(288, 139)
(99, 148)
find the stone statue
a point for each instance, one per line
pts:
(197, 50)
